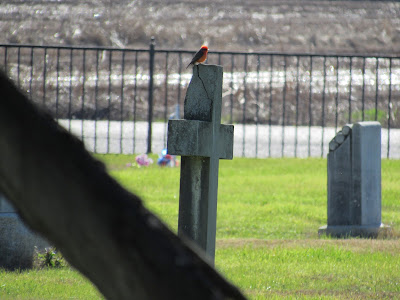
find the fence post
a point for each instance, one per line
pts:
(150, 112)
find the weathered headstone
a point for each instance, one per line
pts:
(201, 140)
(354, 181)
(17, 242)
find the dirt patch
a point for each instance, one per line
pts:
(331, 294)
(354, 245)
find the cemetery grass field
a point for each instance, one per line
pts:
(269, 212)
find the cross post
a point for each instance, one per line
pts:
(201, 140)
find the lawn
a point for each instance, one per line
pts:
(269, 212)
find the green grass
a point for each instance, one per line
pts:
(46, 284)
(312, 269)
(269, 212)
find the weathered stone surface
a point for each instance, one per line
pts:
(333, 145)
(6, 206)
(339, 138)
(354, 182)
(17, 243)
(201, 140)
(193, 138)
(201, 92)
(366, 170)
(193, 209)
(339, 185)
(347, 129)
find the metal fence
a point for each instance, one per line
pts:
(119, 100)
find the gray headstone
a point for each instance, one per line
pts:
(5, 206)
(340, 185)
(354, 181)
(201, 140)
(17, 242)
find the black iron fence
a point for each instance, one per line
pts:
(119, 100)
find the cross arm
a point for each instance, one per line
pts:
(194, 138)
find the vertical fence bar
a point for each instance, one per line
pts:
(244, 106)
(44, 75)
(389, 108)
(179, 80)
(96, 101)
(150, 112)
(363, 92)
(83, 93)
(350, 86)
(109, 99)
(166, 100)
(231, 92)
(70, 88)
(310, 107)
(284, 104)
(135, 101)
(19, 66)
(6, 60)
(297, 105)
(376, 88)
(337, 94)
(257, 100)
(57, 81)
(270, 105)
(323, 110)
(121, 138)
(31, 75)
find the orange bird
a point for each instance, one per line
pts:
(200, 56)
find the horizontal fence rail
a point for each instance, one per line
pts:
(120, 100)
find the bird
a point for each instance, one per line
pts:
(200, 56)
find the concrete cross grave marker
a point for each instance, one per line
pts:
(201, 140)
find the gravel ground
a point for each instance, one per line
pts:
(254, 25)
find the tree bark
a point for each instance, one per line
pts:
(104, 231)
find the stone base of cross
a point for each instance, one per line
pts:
(201, 140)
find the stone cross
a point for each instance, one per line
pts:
(201, 140)
(354, 181)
